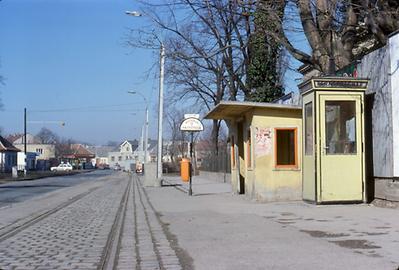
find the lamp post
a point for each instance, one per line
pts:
(160, 99)
(145, 143)
(26, 159)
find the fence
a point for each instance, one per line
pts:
(216, 163)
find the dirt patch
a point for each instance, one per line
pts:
(373, 254)
(286, 222)
(374, 233)
(321, 234)
(287, 214)
(355, 244)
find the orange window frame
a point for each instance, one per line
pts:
(290, 166)
(249, 149)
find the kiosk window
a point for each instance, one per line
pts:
(286, 148)
(340, 125)
(309, 129)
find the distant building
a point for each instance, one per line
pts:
(124, 155)
(79, 156)
(101, 154)
(45, 152)
(8, 155)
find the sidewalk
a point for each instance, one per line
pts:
(200, 184)
(219, 230)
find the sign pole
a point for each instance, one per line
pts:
(192, 124)
(190, 190)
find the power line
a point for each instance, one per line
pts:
(101, 108)
(85, 108)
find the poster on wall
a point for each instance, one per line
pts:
(263, 141)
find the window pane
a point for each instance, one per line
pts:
(309, 129)
(340, 127)
(285, 147)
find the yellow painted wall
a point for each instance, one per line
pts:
(263, 180)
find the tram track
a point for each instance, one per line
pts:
(110, 254)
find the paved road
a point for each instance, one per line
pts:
(24, 190)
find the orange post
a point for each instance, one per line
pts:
(185, 169)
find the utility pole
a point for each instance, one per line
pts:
(160, 111)
(25, 142)
(146, 134)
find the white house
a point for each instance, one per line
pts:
(8, 155)
(124, 156)
(44, 151)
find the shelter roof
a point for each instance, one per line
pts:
(235, 109)
(5, 145)
(79, 151)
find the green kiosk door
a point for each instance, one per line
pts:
(341, 157)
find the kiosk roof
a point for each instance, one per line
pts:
(234, 109)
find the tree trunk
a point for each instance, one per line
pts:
(215, 136)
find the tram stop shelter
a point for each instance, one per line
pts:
(333, 139)
(265, 147)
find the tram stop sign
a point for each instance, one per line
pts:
(191, 124)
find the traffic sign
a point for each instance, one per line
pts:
(191, 124)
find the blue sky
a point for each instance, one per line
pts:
(61, 56)
(67, 60)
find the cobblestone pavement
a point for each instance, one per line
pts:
(78, 235)
(144, 243)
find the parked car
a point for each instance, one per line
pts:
(63, 167)
(103, 167)
(117, 167)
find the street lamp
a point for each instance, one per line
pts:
(145, 143)
(160, 99)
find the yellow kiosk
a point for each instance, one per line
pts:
(333, 140)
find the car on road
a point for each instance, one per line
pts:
(103, 167)
(63, 167)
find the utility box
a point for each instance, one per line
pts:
(333, 140)
(185, 169)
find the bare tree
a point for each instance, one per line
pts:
(207, 50)
(177, 148)
(47, 136)
(63, 147)
(338, 31)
